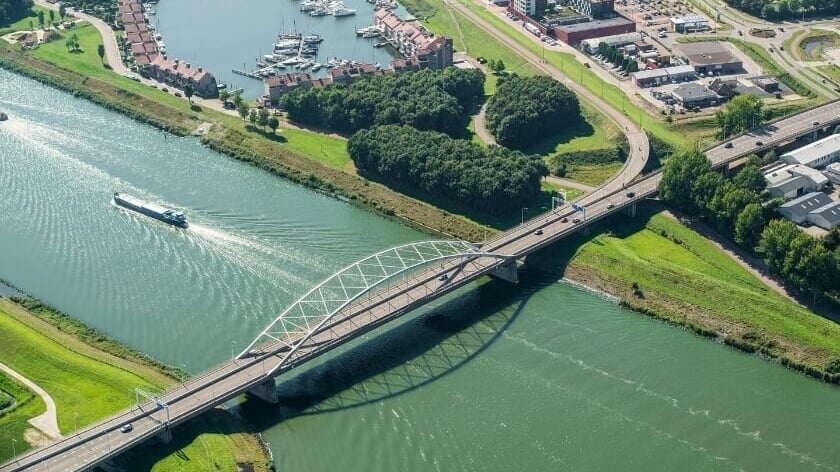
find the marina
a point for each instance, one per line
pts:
(239, 60)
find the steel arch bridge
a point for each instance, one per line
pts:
(312, 313)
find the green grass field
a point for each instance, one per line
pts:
(831, 72)
(86, 385)
(685, 278)
(23, 23)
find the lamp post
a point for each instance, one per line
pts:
(232, 344)
(524, 209)
(14, 450)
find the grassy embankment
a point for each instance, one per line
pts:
(23, 23)
(596, 133)
(812, 36)
(684, 279)
(830, 72)
(90, 378)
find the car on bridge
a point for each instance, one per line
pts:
(576, 220)
(759, 143)
(631, 194)
(127, 428)
(610, 206)
(538, 231)
(444, 277)
(564, 220)
(728, 145)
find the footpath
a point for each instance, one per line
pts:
(47, 422)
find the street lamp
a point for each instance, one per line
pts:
(524, 209)
(14, 450)
(232, 343)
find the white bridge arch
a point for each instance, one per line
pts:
(309, 314)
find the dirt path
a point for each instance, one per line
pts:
(46, 422)
(481, 127)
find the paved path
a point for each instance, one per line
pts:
(481, 127)
(46, 422)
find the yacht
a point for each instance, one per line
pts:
(316, 67)
(312, 39)
(293, 61)
(318, 12)
(343, 11)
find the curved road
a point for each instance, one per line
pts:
(637, 139)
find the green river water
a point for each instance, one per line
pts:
(540, 376)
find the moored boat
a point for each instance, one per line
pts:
(158, 212)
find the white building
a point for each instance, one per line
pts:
(832, 171)
(591, 45)
(794, 180)
(685, 24)
(814, 208)
(528, 7)
(817, 154)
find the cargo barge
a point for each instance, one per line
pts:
(154, 210)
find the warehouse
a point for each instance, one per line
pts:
(573, 34)
(616, 40)
(688, 24)
(711, 58)
(817, 154)
(650, 78)
(695, 96)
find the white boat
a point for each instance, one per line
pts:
(313, 39)
(343, 11)
(271, 58)
(293, 61)
(318, 12)
(370, 34)
(306, 65)
(308, 6)
(286, 44)
(316, 67)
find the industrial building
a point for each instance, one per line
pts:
(616, 40)
(688, 24)
(794, 180)
(650, 78)
(711, 58)
(832, 171)
(817, 154)
(575, 33)
(695, 95)
(598, 9)
(814, 208)
(527, 8)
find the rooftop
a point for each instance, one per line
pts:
(814, 151)
(707, 53)
(596, 24)
(831, 212)
(806, 203)
(688, 91)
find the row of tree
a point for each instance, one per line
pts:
(494, 180)
(426, 100)
(627, 64)
(736, 207)
(787, 9)
(12, 10)
(527, 109)
(740, 114)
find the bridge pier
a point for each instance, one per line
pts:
(165, 436)
(266, 391)
(631, 211)
(509, 271)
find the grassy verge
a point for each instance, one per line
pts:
(86, 383)
(816, 35)
(792, 40)
(23, 23)
(831, 72)
(762, 58)
(664, 269)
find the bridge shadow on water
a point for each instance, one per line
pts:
(418, 351)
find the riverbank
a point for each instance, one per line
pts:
(250, 146)
(661, 268)
(93, 380)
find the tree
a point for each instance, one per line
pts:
(262, 118)
(224, 95)
(750, 177)
(52, 16)
(41, 18)
(678, 175)
(273, 123)
(499, 67)
(100, 49)
(237, 99)
(62, 11)
(252, 116)
(748, 225)
(741, 113)
(775, 242)
(242, 109)
(188, 92)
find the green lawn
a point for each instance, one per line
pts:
(23, 23)
(568, 65)
(685, 278)
(592, 174)
(88, 385)
(831, 72)
(817, 35)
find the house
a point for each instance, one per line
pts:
(724, 88)
(799, 210)
(279, 85)
(179, 74)
(414, 41)
(817, 154)
(794, 180)
(695, 95)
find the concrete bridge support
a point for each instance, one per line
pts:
(631, 211)
(266, 391)
(165, 436)
(509, 271)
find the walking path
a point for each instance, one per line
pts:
(46, 422)
(480, 126)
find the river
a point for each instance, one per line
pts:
(537, 376)
(221, 35)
